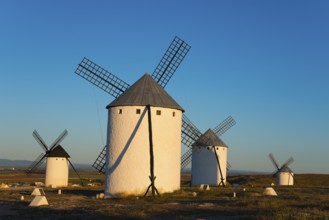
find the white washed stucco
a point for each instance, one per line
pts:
(57, 172)
(204, 165)
(285, 179)
(128, 160)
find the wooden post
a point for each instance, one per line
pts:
(220, 170)
(151, 177)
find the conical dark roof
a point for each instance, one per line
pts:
(209, 138)
(58, 152)
(286, 169)
(145, 91)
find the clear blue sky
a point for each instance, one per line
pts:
(266, 63)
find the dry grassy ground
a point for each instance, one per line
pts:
(309, 199)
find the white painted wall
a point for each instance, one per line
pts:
(204, 165)
(128, 160)
(285, 179)
(222, 154)
(57, 172)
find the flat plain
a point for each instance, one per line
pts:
(307, 199)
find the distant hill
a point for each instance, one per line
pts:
(26, 163)
(14, 163)
(235, 172)
(244, 172)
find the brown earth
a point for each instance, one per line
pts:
(308, 199)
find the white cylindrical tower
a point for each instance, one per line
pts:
(285, 178)
(57, 168)
(205, 169)
(128, 144)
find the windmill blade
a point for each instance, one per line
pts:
(275, 172)
(58, 140)
(75, 171)
(228, 166)
(287, 163)
(274, 161)
(38, 138)
(190, 133)
(224, 126)
(100, 162)
(288, 168)
(186, 158)
(37, 162)
(101, 78)
(170, 61)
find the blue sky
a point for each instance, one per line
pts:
(263, 62)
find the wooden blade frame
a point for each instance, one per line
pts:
(38, 138)
(100, 162)
(170, 61)
(58, 140)
(287, 163)
(186, 159)
(190, 132)
(275, 164)
(37, 162)
(101, 78)
(224, 126)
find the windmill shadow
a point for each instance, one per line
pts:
(123, 152)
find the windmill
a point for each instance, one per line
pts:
(57, 165)
(284, 175)
(207, 152)
(124, 157)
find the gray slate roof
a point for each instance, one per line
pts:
(209, 138)
(286, 170)
(58, 152)
(145, 91)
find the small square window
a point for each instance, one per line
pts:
(120, 111)
(158, 112)
(138, 111)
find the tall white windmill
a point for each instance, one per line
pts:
(57, 161)
(142, 116)
(284, 175)
(144, 126)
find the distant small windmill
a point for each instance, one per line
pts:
(124, 157)
(284, 175)
(57, 164)
(207, 152)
